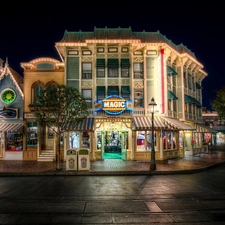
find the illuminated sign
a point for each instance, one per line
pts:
(113, 105)
(8, 113)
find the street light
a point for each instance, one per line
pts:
(152, 161)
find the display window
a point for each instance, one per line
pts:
(144, 140)
(14, 141)
(169, 140)
(32, 133)
(79, 140)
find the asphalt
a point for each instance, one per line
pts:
(187, 164)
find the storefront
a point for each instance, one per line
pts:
(11, 141)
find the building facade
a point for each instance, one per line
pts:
(119, 71)
(211, 119)
(11, 113)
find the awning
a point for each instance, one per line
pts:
(113, 62)
(203, 128)
(87, 124)
(145, 123)
(190, 99)
(125, 90)
(172, 96)
(8, 127)
(125, 62)
(171, 71)
(100, 90)
(113, 90)
(177, 124)
(100, 62)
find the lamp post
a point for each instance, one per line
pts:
(152, 160)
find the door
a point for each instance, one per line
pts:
(124, 140)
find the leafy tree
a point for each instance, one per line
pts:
(218, 104)
(60, 107)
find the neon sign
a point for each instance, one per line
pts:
(113, 105)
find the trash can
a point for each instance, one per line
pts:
(71, 159)
(83, 159)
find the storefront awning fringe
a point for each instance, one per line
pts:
(145, 123)
(87, 124)
(204, 128)
(9, 127)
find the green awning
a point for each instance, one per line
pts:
(100, 62)
(125, 90)
(172, 96)
(171, 71)
(113, 62)
(188, 99)
(198, 86)
(125, 62)
(113, 90)
(100, 90)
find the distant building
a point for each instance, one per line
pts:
(212, 120)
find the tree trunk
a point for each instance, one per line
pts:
(58, 152)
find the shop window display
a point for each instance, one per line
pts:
(14, 141)
(32, 131)
(145, 143)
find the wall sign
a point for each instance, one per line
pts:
(113, 105)
(8, 113)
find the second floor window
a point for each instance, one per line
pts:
(138, 71)
(86, 70)
(87, 93)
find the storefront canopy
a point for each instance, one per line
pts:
(172, 96)
(9, 127)
(145, 123)
(203, 128)
(87, 124)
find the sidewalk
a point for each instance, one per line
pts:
(189, 164)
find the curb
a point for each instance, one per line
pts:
(108, 173)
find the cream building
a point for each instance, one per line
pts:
(119, 71)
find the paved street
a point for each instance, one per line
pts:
(197, 198)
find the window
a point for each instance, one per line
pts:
(86, 70)
(189, 82)
(144, 140)
(14, 141)
(138, 97)
(100, 49)
(100, 92)
(86, 52)
(36, 89)
(87, 93)
(125, 92)
(32, 133)
(185, 80)
(113, 67)
(125, 67)
(100, 68)
(138, 71)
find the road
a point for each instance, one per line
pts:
(197, 198)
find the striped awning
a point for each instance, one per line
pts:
(11, 127)
(160, 122)
(145, 123)
(177, 124)
(203, 128)
(87, 124)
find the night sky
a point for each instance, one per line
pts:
(30, 29)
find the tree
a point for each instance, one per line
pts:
(60, 107)
(218, 104)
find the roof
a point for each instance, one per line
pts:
(16, 78)
(123, 33)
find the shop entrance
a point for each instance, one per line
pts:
(112, 141)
